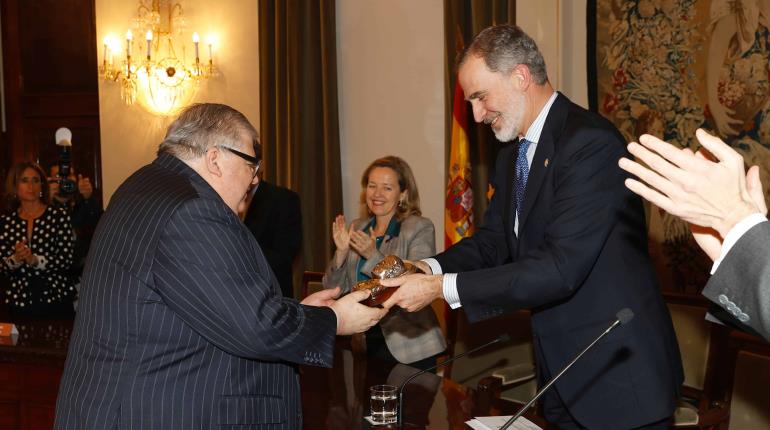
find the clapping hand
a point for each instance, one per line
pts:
(708, 190)
(341, 235)
(363, 243)
(689, 185)
(22, 253)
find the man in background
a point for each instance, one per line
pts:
(181, 324)
(275, 219)
(727, 213)
(84, 211)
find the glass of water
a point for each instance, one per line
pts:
(383, 401)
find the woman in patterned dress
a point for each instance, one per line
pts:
(35, 246)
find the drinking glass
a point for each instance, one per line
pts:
(383, 401)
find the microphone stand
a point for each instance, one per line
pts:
(501, 338)
(623, 317)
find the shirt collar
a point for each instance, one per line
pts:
(534, 131)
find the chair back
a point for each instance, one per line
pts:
(693, 333)
(749, 400)
(311, 282)
(469, 370)
(701, 344)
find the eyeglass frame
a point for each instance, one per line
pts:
(255, 163)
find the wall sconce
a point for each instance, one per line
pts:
(156, 73)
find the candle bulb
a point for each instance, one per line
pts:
(210, 42)
(129, 38)
(104, 56)
(149, 43)
(196, 40)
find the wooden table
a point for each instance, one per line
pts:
(30, 371)
(338, 398)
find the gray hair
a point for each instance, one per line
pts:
(204, 125)
(503, 47)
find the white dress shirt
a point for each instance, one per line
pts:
(736, 233)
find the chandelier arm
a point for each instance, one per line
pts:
(163, 82)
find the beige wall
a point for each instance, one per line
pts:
(130, 135)
(390, 57)
(559, 28)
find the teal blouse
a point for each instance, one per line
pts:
(394, 227)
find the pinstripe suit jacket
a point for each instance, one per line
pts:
(410, 336)
(181, 322)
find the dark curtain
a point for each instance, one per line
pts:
(298, 114)
(462, 20)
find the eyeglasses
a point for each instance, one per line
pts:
(252, 162)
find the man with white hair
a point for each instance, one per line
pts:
(181, 322)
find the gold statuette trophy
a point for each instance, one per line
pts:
(390, 267)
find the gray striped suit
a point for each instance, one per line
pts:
(181, 322)
(741, 284)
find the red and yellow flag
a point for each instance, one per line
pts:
(458, 208)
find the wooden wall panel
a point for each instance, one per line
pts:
(50, 76)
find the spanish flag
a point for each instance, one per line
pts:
(458, 208)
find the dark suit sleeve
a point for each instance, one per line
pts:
(205, 272)
(583, 208)
(741, 284)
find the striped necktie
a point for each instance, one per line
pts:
(522, 173)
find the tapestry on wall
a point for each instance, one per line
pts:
(668, 67)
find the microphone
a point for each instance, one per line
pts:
(623, 317)
(502, 338)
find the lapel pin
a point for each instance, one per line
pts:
(545, 163)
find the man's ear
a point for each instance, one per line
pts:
(213, 160)
(521, 77)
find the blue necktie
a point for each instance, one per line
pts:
(522, 173)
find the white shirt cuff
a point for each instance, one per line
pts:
(434, 266)
(449, 287)
(736, 233)
(41, 262)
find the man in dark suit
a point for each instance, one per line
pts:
(181, 322)
(561, 237)
(275, 220)
(727, 213)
